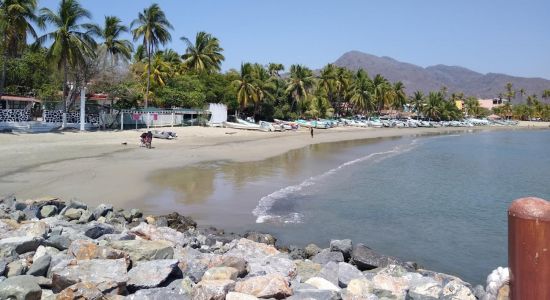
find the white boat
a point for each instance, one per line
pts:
(267, 126)
(241, 126)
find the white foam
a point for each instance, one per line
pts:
(267, 202)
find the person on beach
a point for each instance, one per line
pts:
(311, 131)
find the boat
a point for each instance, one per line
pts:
(267, 126)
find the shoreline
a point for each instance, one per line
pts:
(98, 167)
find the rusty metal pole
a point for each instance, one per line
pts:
(529, 249)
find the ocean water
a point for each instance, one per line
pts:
(438, 200)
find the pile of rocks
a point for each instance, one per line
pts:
(51, 249)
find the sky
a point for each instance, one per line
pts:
(498, 36)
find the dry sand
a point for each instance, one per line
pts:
(110, 167)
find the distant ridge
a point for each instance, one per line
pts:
(456, 79)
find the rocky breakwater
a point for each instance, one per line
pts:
(52, 249)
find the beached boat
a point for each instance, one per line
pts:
(241, 126)
(267, 126)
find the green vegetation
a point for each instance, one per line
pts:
(77, 52)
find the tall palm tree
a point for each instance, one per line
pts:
(264, 84)
(246, 90)
(472, 106)
(274, 69)
(399, 96)
(152, 27)
(361, 98)
(205, 55)
(16, 24)
(432, 109)
(546, 94)
(73, 41)
(510, 93)
(417, 102)
(381, 91)
(113, 49)
(300, 83)
(327, 81)
(343, 85)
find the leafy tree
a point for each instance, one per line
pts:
(205, 55)
(16, 24)
(510, 93)
(381, 91)
(300, 83)
(432, 108)
(473, 108)
(399, 96)
(114, 49)
(361, 98)
(417, 102)
(152, 27)
(73, 41)
(246, 90)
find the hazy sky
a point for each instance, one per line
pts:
(501, 36)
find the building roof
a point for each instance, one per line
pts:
(19, 98)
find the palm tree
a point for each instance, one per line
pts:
(327, 82)
(274, 69)
(510, 93)
(361, 98)
(417, 102)
(381, 91)
(246, 90)
(343, 85)
(113, 49)
(546, 94)
(205, 55)
(432, 109)
(300, 83)
(16, 23)
(264, 86)
(152, 26)
(399, 96)
(73, 41)
(472, 106)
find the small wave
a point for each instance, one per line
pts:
(266, 203)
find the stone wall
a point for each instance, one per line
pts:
(56, 116)
(15, 115)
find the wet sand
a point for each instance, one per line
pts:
(110, 167)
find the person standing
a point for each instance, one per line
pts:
(311, 131)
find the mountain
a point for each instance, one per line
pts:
(456, 79)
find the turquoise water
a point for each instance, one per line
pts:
(440, 201)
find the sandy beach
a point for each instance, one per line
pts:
(110, 167)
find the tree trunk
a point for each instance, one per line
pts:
(148, 75)
(4, 62)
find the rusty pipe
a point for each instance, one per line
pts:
(529, 249)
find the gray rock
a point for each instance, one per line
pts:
(145, 250)
(347, 273)
(102, 210)
(60, 242)
(235, 262)
(158, 294)
(330, 272)
(81, 290)
(212, 289)
(40, 266)
(96, 230)
(136, 213)
(151, 274)
(305, 269)
(193, 268)
(258, 237)
(311, 250)
(457, 289)
(86, 217)
(16, 268)
(18, 216)
(76, 204)
(48, 211)
(20, 288)
(3, 267)
(366, 259)
(21, 244)
(424, 289)
(179, 222)
(344, 246)
(296, 253)
(98, 271)
(326, 256)
(307, 294)
(73, 213)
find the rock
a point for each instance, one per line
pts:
(48, 211)
(38, 230)
(307, 269)
(16, 268)
(86, 217)
(234, 262)
(366, 259)
(264, 238)
(267, 286)
(59, 242)
(303, 294)
(102, 210)
(81, 290)
(193, 268)
(150, 274)
(145, 250)
(43, 282)
(239, 296)
(344, 246)
(296, 253)
(40, 266)
(347, 273)
(322, 284)
(330, 272)
(504, 292)
(73, 213)
(96, 271)
(3, 267)
(20, 288)
(96, 230)
(157, 294)
(326, 255)
(220, 273)
(425, 289)
(83, 249)
(360, 287)
(21, 244)
(136, 213)
(154, 233)
(179, 222)
(392, 279)
(212, 289)
(457, 290)
(18, 216)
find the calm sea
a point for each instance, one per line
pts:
(439, 200)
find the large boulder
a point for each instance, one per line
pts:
(21, 244)
(158, 294)
(85, 249)
(73, 213)
(145, 250)
(267, 286)
(344, 246)
(98, 271)
(330, 272)
(303, 294)
(367, 259)
(48, 211)
(221, 273)
(40, 266)
(154, 233)
(360, 287)
(322, 284)
(239, 296)
(347, 273)
(96, 230)
(258, 237)
(305, 269)
(311, 250)
(81, 290)
(425, 289)
(102, 210)
(59, 242)
(17, 267)
(20, 288)
(150, 274)
(179, 222)
(212, 289)
(458, 290)
(326, 256)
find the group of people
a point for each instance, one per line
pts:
(146, 139)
